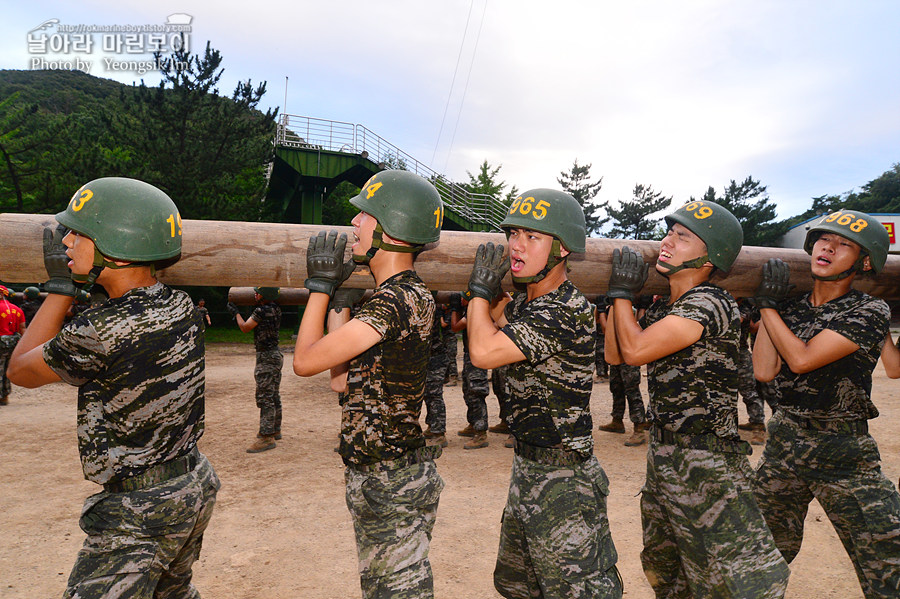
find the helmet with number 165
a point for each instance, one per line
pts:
(551, 212)
(859, 228)
(716, 226)
(127, 220)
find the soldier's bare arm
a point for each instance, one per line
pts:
(890, 357)
(316, 352)
(665, 337)
(338, 373)
(766, 361)
(611, 352)
(26, 363)
(826, 347)
(489, 347)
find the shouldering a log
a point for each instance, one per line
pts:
(238, 254)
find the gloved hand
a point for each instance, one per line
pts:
(775, 284)
(487, 273)
(325, 266)
(345, 298)
(629, 273)
(232, 309)
(57, 263)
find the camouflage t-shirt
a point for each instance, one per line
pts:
(694, 391)
(137, 361)
(386, 383)
(550, 391)
(841, 390)
(268, 318)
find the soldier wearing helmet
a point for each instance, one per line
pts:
(819, 349)
(12, 325)
(378, 359)
(32, 302)
(138, 362)
(265, 322)
(697, 482)
(555, 539)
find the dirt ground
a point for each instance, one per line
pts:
(281, 528)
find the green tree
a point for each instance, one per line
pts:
(485, 182)
(750, 204)
(577, 183)
(632, 219)
(336, 208)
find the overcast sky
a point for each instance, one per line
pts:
(802, 95)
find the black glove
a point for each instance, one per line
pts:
(232, 309)
(775, 285)
(489, 270)
(629, 273)
(345, 298)
(57, 263)
(325, 266)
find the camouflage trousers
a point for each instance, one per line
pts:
(625, 385)
(498, 384)
(393, 515)
(475, 392)
(5, 386)
(600, 364)
(843, 472)
(704, 535)
(435, 409)
(142, 544)
(554, 536)
(747, 388)
(268, 390)
(451, 348)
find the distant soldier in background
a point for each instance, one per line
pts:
(451, 342)
(265, 322)
(475, 388)
(756, 416)
(32, 303)
(601, 368)
(204, 313)
(12, 326)
(436, 409)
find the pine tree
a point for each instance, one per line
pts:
(632, 220)
(577, 183)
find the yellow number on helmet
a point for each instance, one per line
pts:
(78, 201)
(526, 205)
(540, 209)
(515, 205)
(371, 189)
(859, 225)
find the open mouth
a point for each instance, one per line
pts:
(664, 255)
(516, 264)
(823, 261)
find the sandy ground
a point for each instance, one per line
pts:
(281, 528)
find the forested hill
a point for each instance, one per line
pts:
(62, 92)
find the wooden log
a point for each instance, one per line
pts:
(238, 254)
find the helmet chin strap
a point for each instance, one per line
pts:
(553, 259)
(100, 262)
(671, 270)
(378, 243)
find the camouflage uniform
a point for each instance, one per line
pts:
(267, 372)
(436, 410)
(704, 535)
(600, 365)
(746, 381)
(451, 348)
(501, 389)
(475, 390)
(819, 446)
(392, 485)
(11, 319)
(554, 538)
(625, 385)
(138, 363)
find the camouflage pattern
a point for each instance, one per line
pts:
(269, 361)
(5, 385)
(451, 348)
(818, 446)
(554, 537)
(501, 389)
(843, 389)
(843, 472)
(625, 385)
(436, 410)
(268, 390)
(600, 365)
(475, 390)
(550, 390)
(143, 543)
(704, 535)
(386, 384)
(138, 363)
(694, 390)
(746, 381)
(394, 512)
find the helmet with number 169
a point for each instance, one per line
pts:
(859, 228)
(716, 226)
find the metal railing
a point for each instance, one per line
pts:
(337, 136)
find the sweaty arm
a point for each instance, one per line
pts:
(890, 357)
(489, 346)
(334, 321)
(639, 346)
(611, 352)
(803, 356)
(246, 325)
(27, 367)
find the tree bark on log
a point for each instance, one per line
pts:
(239, 254)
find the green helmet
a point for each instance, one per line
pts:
(859, 228)
(32, 293)
(268, 293)
(716, 226)
(406, 206)
(82, 297)
(554, 213)
(551, 212)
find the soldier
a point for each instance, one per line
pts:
(475, 388)
(32, 303)
(204, 313)
(704, 535)
(451, 343)
(137, 361)
(436, 410)
(554, 537)
(601, 369)
(380, 357)
(821, 348)
(265, 322)
(747, 386)
(501, 390)
(12, 325)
